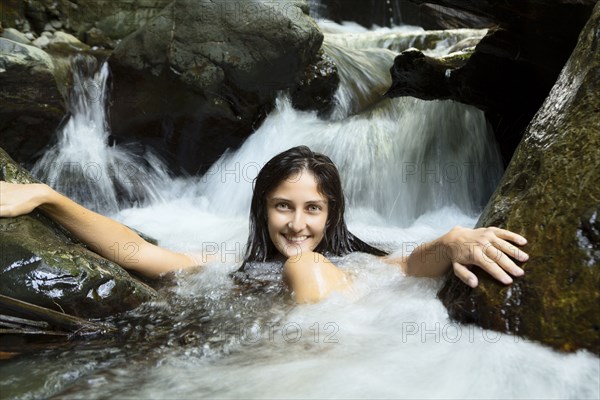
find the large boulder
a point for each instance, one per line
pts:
(32, 104)
(43, 264)
(200, 76)
(550, 194)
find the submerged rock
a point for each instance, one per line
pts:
(550, 193)
(200, 76)
(43, 264)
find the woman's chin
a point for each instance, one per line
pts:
(295, 251)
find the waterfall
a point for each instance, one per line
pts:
(399, 158)
(82, 165)
(411, 170)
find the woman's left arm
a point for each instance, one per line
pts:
(492, 249)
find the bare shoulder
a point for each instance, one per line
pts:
(312, 277)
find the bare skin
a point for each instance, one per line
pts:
(312, 277)
(99, 232)
(491, 249)
(299, 213)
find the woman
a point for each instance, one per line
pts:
(297, 216)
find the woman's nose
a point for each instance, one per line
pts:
(297, 223)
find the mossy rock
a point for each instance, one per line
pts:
(550, 193)
(43, 264)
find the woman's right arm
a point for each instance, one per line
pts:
(105, 236)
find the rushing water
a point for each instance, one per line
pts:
(82, 165)
(411, 170)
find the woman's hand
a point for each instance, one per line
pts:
(19, 199)
(492, 249)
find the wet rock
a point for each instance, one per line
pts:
(96, 37)
(365, 13)
(200, 76)
(15, 36)
(116, 18)
(43, 264)
(49, 28)
(42, 42)
(318, 86)
(428, 78)
(32, 106)
(12, 14)
(515, 65)
(550, 194)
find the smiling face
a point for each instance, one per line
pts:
(296, 214)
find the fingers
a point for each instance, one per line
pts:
(467, 276)
(464, 274)
(501, 252)
(495, 263)
(495, 256)
(510, 249)
(495, 251)
(508, 235)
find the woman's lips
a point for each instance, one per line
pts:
(295, 239)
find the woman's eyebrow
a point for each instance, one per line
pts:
(316, 201)
(278, 199)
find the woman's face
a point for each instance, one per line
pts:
(296, 215)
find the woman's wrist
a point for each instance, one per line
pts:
(450, 245)
(46, 197)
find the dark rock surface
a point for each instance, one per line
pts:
(200, 76)
(31, 105)
(514, 66)
(364, 12)
(428, 78)
(550, 194)
(42, 264)
(318, 86)
(103, 21)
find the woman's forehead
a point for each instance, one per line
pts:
(301, 184)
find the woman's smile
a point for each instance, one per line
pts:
(296, 239)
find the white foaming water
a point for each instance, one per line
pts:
(411, 170)
(400, 159)
(394, 341)
(82, 165)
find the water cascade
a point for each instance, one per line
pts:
(82, 164)
(400, 158)
(411, 170)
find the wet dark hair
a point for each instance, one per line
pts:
(337, 241)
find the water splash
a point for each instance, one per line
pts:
(427, 165)
(82, 165)
(401, 159)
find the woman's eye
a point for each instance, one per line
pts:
(314, 208)
(282, 206)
